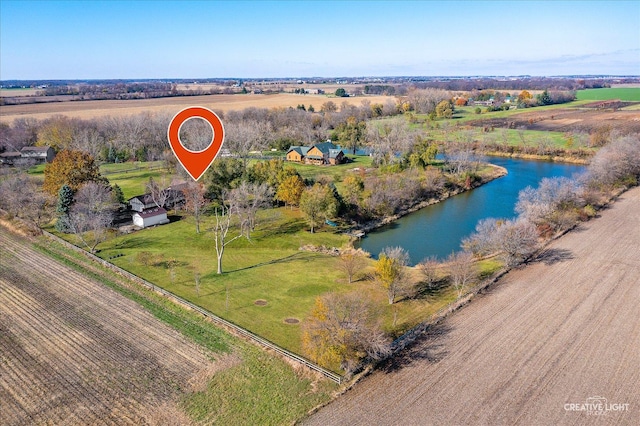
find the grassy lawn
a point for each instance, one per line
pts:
(132, 177)
(269, 267)
(605, 94)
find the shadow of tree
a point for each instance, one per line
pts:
(429, 346)
(305, 257)
(289, 227)
(426, 291)
(553, 256)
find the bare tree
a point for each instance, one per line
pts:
(460, 157)
(616, 163)
(12, 196)
(462, 271)
(195, 201)
(425, 101)
(246, 200)
(159, 193)
(91, 214)
(514, 240)
(196, 134)
(221, 232)
(351, 262)
(482, 242)
(554, 202)
(246, 135)
(87, 138)
(388, 139)
(429, 268)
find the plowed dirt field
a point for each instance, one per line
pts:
(73, 351)
(554, 343)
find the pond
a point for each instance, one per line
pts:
(438, 230)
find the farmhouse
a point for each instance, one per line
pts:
(318, 154)
(42, 154)
(174, 199)
(28, 155)
(142, 202)
(150, 217)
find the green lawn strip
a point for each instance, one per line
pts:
(262, 389)
(132, 177)
(511, 137)
(605, 94)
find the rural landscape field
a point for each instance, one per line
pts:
(319, 213)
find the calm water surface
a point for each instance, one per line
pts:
(437, 230)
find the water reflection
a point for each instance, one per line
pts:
(437, 230)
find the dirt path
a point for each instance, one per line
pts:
(75, 352)
(558, 332)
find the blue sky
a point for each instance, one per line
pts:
(207, 39)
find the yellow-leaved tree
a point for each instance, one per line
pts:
(342, 330)
(390, 272)
(72, 168)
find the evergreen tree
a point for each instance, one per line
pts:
(65, 199)
(118, 195)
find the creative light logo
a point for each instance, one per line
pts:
(596, 406)
(195, 162)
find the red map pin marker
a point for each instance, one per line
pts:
(195, 162)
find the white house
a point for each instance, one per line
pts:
(150, 217)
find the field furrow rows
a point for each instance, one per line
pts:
(73, 351)
(47, 338)
(124, 314)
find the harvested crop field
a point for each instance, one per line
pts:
(546, 341)
(73, 351)
(119, 108)
(571, 119)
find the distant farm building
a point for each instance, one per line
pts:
(150, 217)
(319, 154)
(28, 154)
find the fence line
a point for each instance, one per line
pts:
(235, 329)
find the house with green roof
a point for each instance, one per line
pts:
(320, 154)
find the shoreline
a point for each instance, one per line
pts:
(361, 230)
(551, 158)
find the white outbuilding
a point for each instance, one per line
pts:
(150, 217)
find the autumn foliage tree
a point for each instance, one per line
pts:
(290, 190)
(342, 330)
(72, 168)
(390, 272)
